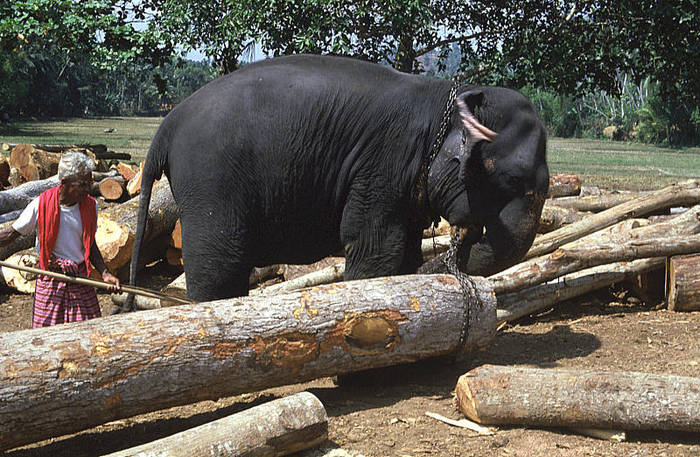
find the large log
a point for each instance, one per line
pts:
(554, 217)
(563, 185)
(578, 256)
(70, 377)
(35, 164)
(19, 244)
(514, 305)
(493, 394)
(112, 188)
(684, 283)
(276, 428)
(95, 148)
(116, 226)
(594, 203)
(683, 194)
(20, 196)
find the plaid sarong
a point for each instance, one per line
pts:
(56, 302)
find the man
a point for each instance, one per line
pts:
(66, 220)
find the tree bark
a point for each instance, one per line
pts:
(548, 397)
(554, 217)
(683, 194)
(577, 256)
(512, 306)
(134, 184)
(684, 283)
(116, 226)
(595, 203)
(276, 428)
(563, 185)
(333, 273)
(70, 377)
(22, 242)
(20, 196)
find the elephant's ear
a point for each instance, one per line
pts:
(466, 103)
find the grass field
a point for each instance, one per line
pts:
(607, 164)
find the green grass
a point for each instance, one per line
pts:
(602, 163)
(131, 135)
(618, 165)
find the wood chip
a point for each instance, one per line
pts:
(463, 423)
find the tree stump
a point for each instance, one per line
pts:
(684, 283)
(549, 397)
(69, 377)
(276, 428)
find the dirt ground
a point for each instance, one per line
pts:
(383, 413)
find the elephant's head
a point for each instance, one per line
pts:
(490, 177)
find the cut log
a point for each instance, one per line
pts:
(563, 185)
(78, 375)
(95, 148)
(35, 164)
(684, 283)
(125, 171)
(4, 172)
(21, 281)
(290, 272)
(176, 236)
(578, 256)
(442, 228)
(595, 203)
(134, 184)
(116, 226)
(276, 428)
(174, 256)
(11, 216)
(112, 188)
(22, 242)
(331, 274)
(20, 196)
(554, 217)
(512, 306)
(683, 194)
(548, 397)
(177, 288)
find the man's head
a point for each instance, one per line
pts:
(75, 173)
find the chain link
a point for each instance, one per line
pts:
(466, 284)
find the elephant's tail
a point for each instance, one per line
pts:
(153, 169)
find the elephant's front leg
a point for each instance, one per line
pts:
(376, 244)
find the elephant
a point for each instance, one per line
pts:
(294, 158)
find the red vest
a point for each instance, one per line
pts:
(50, 218)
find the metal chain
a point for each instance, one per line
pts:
(443, 124)
(466, 283)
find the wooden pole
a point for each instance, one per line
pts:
(69, 377)
(549, 397)
(276, 428)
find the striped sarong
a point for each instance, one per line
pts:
(56, 302)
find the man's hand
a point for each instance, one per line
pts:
(111, 279)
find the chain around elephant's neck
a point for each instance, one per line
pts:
(446, 115)
(422, 182)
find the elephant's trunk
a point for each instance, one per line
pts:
(508, 237)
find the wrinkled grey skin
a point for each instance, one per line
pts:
(291, 159)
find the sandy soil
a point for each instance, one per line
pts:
(382, 413)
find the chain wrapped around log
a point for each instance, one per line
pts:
(70, 377)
